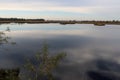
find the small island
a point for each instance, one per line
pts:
(99, 24)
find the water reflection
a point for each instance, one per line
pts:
(97, 69)
(93, 53)
(105, 70)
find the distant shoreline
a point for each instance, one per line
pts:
(62, 22)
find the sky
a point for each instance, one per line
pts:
(61, 9)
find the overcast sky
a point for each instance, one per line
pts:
(61, 9)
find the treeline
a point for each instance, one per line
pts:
(20, 19)
(63, 22)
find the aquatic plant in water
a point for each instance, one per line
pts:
(44, 64)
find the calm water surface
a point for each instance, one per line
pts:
(93, 52)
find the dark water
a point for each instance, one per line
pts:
(93, 52)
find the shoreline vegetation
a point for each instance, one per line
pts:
(9, 74)
(62, 22)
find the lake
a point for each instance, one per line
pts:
(93, 52)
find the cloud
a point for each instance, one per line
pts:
(69, 3)
(88, 8)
